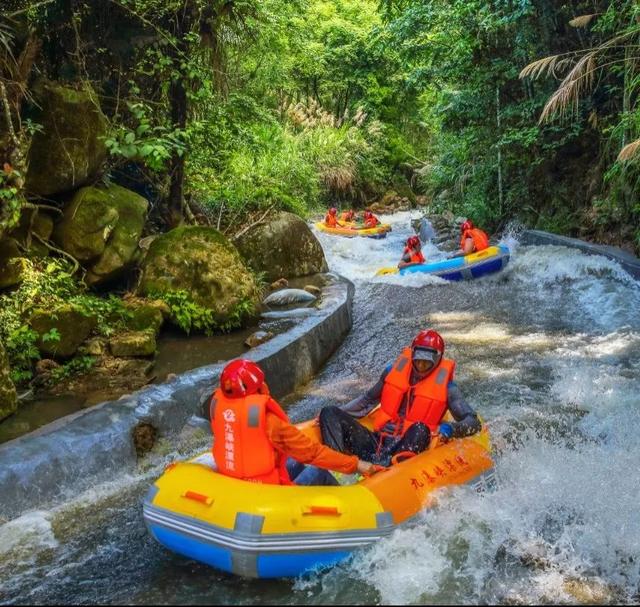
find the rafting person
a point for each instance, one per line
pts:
(412, 253)
(330, 219)
(414, 394)
(254, 440)
(348, 216)
(472, 239)
(370, 220)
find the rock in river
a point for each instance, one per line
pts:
(289, 296)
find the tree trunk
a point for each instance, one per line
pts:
(498, 125)
(179, 110)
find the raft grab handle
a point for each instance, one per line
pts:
(321, 511)
(198, 497)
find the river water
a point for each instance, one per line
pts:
(548, 352)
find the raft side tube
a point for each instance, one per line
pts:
(475, 265)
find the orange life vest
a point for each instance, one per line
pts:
(372, 222)
(331, 221)
(427, 400)
(241, 447)
(480, 239)
(416, 256)
(347, 216)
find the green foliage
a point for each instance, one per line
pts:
(77, 366)
(11, 200)
(190, 316)
(145, 143)
(49, 283)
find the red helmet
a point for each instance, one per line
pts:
(333, 211)
(429, 339)
(241, 378)
(413, 242)
(368, 214)
(466, 225)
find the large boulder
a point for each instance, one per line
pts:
(70, 149)
(284, 246)
(72, 326)
(202, 262)
(8, 397)
(101, 228)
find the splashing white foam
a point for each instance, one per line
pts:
(30, 532)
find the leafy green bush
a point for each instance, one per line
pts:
(189, 315)
(48, 283)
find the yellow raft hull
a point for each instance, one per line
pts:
(350, 230)
(266, 531)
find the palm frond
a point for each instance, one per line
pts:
(582, 20)
(629, 151)
(538, 68)
(579, 80)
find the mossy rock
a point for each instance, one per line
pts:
(101, 228)
(284, 246)
(72, 325)
(8, 396)
(34, 227)
(202, 262)
(12, 264)
(133, 343)
(69, 151)
(145, 316)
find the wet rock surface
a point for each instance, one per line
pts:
(281, 283)
(257, 338)
(289, 296)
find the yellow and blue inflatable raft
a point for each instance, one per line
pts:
(350, 230)
(272, 531)
(475, 265)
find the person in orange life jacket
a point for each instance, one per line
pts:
(412, 253)
(472, 239)
(348, 216)
(370, 220)
(330, 219)
(254, 440)
(414, 394)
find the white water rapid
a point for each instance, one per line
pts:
(547, 351)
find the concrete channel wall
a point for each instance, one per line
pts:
(71, 454)
(629, 262)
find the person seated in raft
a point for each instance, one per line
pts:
(412, 253)
(472, 239)
(348, 216)
(370, 220)
(254, 440)
(414, 394)
(330, 219)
